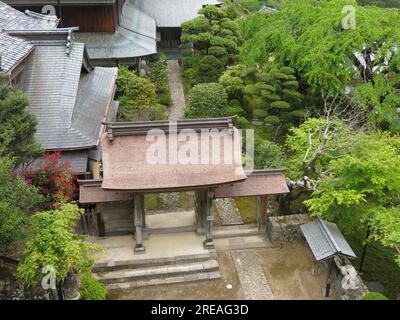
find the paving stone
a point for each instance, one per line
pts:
(177, 94)
(251, 275)
(228, 211)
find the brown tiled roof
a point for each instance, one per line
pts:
(90, 192)
(257, 183)
(126, 168)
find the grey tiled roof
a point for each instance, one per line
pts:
(134, 37)
(325, 239)
(68, 116)
(12, 50)
(95, 91)
(12, 19)
(172, 13)
(77, 159)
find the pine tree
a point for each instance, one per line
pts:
(17, 126)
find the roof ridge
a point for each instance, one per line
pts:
(40, 16)
(329, 235)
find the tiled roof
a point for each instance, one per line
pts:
(172, 13)
(325, 239)
(12, 19)
(52, 81)
(134, 37)
(12, 50)
(78, 160)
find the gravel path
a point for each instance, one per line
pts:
(228, 211)
(178, 97)
(251, 275)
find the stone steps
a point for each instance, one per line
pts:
(191, 277)
(235, 231)
(157, 272)
(151, 272)
(149, 263)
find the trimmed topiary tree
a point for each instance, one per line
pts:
(209, 69)
(208, 100)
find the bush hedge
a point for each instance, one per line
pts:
(91, 289)
(159, 77)
(138, 97)
(208, 100)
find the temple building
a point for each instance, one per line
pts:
(130, 172)
(68, 95)
(120, 31)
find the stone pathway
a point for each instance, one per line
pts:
(251, 275)
(171, 200)
(228, 211)
(178, 96)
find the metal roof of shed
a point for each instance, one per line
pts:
(325, 239)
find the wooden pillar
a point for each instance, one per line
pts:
(138, 204)
(100, 221)
(200, 210)
(262, 207)
(209, 243)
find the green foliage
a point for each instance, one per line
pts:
(18, 200)
(17, 126)
(298, 142)
(374, 296)
(138, 97)
(234, 80)
(268, 155)
(376, 257)
(209, 69)
(55, 244)
(159, 76)
(213, 34)
(380, 3)
(308, 36)
(208, 100)
(363, 188)
(91, 289)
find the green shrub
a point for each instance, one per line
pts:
(374, 296)
(269, 155)
(242, 123)
(280, 104)
(138, 97)
(159, 77)
(209, 69)
(260, 113)
(208, 100)
(91, 289)
(234, 111)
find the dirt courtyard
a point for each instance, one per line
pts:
(287, 269)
